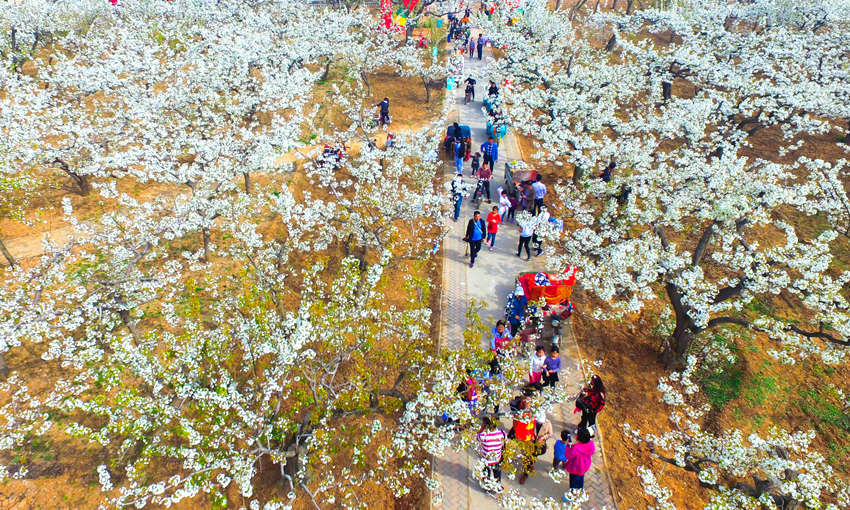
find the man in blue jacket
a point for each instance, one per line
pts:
(476, 230)
(490, 150)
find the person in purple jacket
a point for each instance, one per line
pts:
(551, 367)
(578, 456)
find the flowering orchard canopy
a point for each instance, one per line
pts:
(675, 102)
(253, 323)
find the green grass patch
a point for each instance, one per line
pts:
(824, 410)
(722, 383)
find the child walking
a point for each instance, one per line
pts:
(476, 162)
(493, 220)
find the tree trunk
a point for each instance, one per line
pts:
(327, 70)
(365, 79)
(205, 233)
(612, 42)
(676, 348)
(83, 186)
(9, 258)
(578, 173)
(83, 183)
(4, 369)
(247, 178)
(427, 83)
(666, 90)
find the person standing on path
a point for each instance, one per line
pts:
(471, 44)
(501, 336)
(544, 432)
(590, 402)
(539, 192)
(525, 234)
(493, 220)
(470, 86)
(458, 191)
(504, 204)
(551, 367)
(578, 458)
(475, 232)
(523, 430)
(475, 163)
(518, 304)
(459, 153)
(559, 456)
(542, 221)
(535, 370)
(490, 150)
(480, 45)
(491, 444)
(468, 392)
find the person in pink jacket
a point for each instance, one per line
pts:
(578, 458)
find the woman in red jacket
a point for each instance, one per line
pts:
(590, 402)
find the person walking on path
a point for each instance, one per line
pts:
(525, 234)
(539, 192)
(458, 191)
(551, 367)
(535, 371)
(484, 176)
(459, 153)
(384, 118)
(471, 45)
(491, 444)
(578, 458)
(475, 231)
(590, 402)
(479, 45)
(493, 220)
(490, 150)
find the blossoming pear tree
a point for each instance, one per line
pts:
(775, 470)
(289, 357)
(688, 211)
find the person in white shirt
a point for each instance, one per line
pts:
(535, 372)
(525, 234)
(539, 192)
(504, 204)
(541, 222)
(458, 192)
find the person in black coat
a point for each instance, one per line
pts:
(476, 231)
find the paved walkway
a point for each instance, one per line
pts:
(489, 282)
